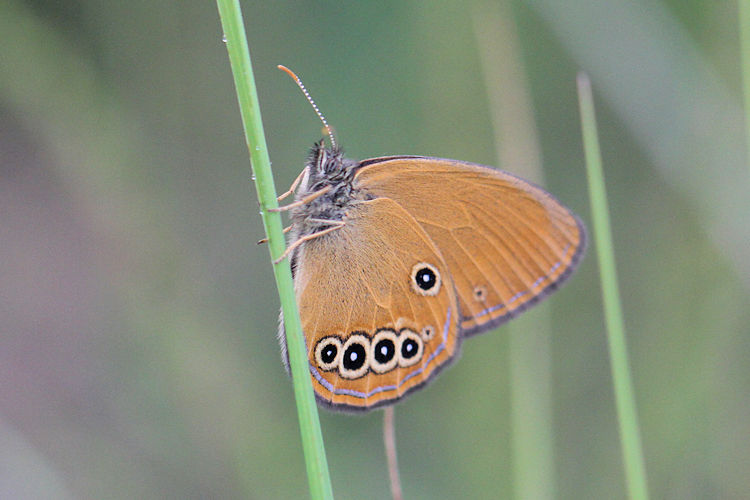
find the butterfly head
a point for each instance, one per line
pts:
(327, 166)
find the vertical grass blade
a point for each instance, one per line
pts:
(635, 471)
(239, 57)
(529, 337)
(744, 11)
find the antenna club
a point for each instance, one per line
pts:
(289, 72)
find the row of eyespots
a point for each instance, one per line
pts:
(384, 352)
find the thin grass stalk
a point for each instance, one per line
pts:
(239, 57)
(389, 438)
(635, 470)
(744, 26)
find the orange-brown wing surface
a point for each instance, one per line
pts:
(507, 242)
(378, 309)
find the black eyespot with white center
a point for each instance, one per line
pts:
(327, 353)
(410, 348)
(384, 356)
(354, 360)
(425, 279)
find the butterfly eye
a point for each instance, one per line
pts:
(384, 356)
(327, 353)
(410, 348)
(353, 363)
(425, 279)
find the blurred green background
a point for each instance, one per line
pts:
(138, 351)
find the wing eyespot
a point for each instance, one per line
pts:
(410, 348)
(425, 279)
(327, 353)
(384, 355)
(354, 361)
(427, 333)
(480, 293)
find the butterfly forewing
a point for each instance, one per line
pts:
(378, 307)
(506, 242)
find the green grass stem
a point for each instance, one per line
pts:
(635, 471)
(239, 57)
(744, 15)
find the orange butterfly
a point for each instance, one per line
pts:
(397, 259)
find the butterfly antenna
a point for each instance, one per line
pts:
(310, 100)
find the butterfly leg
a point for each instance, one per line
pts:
(337, 224)
(299, 203)
(265, 240)
(294, 185)
(327, 222)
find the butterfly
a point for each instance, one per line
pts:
(397, 259)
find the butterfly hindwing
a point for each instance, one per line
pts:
(377, 305)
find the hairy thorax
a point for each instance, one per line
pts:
(325, 169)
